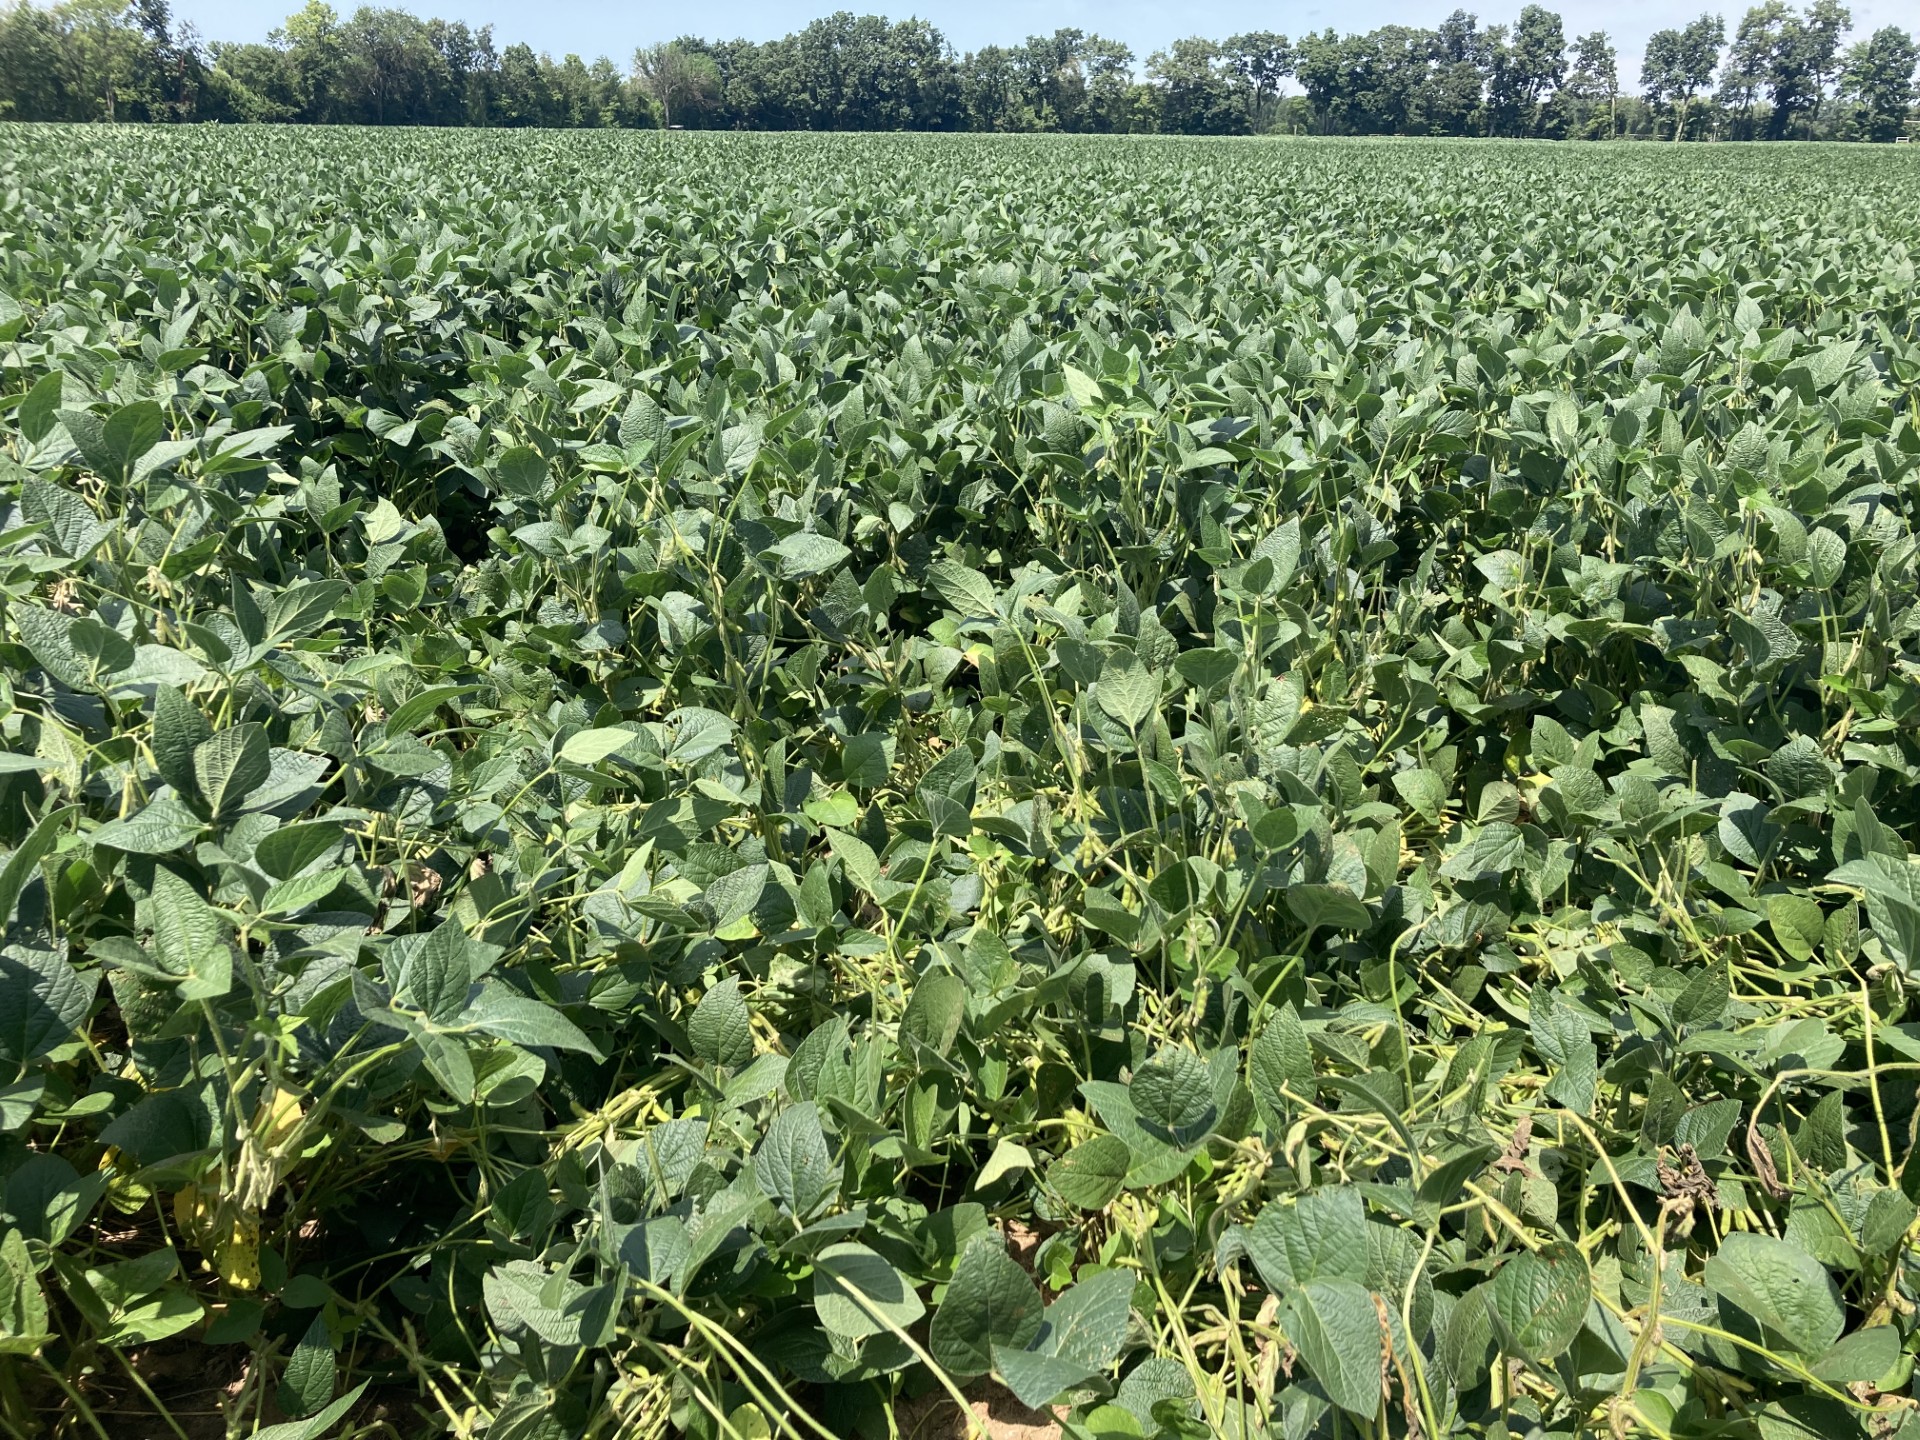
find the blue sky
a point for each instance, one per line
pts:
(596, 27)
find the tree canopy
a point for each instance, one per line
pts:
(1786, 74)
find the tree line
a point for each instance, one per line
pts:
(1786, 73)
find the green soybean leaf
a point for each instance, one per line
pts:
(163, 827)
(523, 1296)
(990, 1302)
(1129, 695)
(1088, 1322)
(440, 974)
(1782, 1287)
(1864, 1357)
(1328, 907)
(590, 747)
(230, 765)
(306, 1385)
(1281, 1057)
(1424, 792)
(292, 848)
(25, 859)
(314, 1427)
(965, 589)
(24, 1319)
(1036, 1379)
(178, 730)
(804, 554)
(130, 432)
(1321, 1236)
(934, 1011)
(1173, 1096)
(43, 999)
(521, 472)
(793, 1164)
(1339, 1333)
(500, 1010)
(857, 1294)
(190, 939)
(1797, 923)
(1539, 1299)
(721, 1028)
(1090, 1174)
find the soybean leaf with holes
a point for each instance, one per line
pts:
(794, 1165)
(1539, 1299)
(1038, 1379)
(1088, 1322)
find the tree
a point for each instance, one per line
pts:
(1879, 79)
(1679, 64)
(390, 68)
(1111, 91)
(1259, 60)
(574, 99)
(522, 94)
(613, 96)
(33, 75)
(103, 52)
(901, 77)
(170, 66)
(1827, 21)
(1802, 61)
(1195, 95)
(1055, 88)
(316, 55)
(130, 60)
(250, 83)
(1319, 65)
(671, 75)
(992, 91)
(1538, 62)
(1453, 97)
(1596, 75)
(762, 86)
(1750, 60)
(1386, 74)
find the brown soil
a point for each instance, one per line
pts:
(1000, 1417)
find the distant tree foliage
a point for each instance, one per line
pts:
(1678, 65)
(1787, 73)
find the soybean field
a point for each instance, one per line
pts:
(921, 786)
